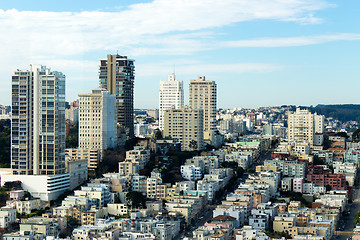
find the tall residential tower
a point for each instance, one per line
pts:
(38, 122)
(186, 125)
(116, 74)
(303, 125)
(97, 124)
(171, 94)
(202, 95)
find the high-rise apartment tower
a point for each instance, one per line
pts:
(171, 94)
(38, 122)
(202, 95)
(303, 125)
(186, 125)
(97, 124)
(116, 74)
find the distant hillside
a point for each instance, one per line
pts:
(344, 112)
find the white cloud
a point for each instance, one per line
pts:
(161, 27)
(72, 33)
(292, 41)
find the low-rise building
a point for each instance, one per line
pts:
(26, 206)
(191, 172)
(283, 222)
(117, 209)
(243, 159)
(210, 186)
(186, 185)
(249, 233)
(92, 155)
(335, 181)
(78, 171)
(7, 217)
(259, 221)
(96, 191)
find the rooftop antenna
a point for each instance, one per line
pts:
(174, 70)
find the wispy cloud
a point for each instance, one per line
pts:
(161, 27)
(72, 33)
(292, 41)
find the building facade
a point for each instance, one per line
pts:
(303, 125)
(116, 74)
(38, 122)
(97, 124)
(202, 95)
(171, 94)
(186, 125)
(92, 156)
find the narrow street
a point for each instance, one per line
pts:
(346, 223)
(208, 211)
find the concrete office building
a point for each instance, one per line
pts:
(171, 94)
(186, 125)
(38, 122)
(97, 120)
(116, 74)
(303, 125)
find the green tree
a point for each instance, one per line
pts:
(5, 143)
(327, 142)
(3, 196)
(356, 135)
(72, 140)
(240, 172)
(136, 199)
(342, 134)
(110, 162)
(317, 160)
(193, 145)
(158, 134)
(233, 165)
(357, 218)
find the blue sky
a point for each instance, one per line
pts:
(260, 53)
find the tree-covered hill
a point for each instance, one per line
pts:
(344, 112)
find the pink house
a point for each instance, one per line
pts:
(222, 221)
(298, 185)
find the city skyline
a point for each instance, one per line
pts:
(293, 54)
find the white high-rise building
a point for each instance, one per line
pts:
(171, 94)
(38, 132)
(38, 122)
(303, 125)
(97, 120)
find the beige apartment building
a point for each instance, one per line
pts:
(140, 154)
(186, 125)
(97, 120)
(129, 167)
(202, 95)
(303, 125)
(93, 156)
